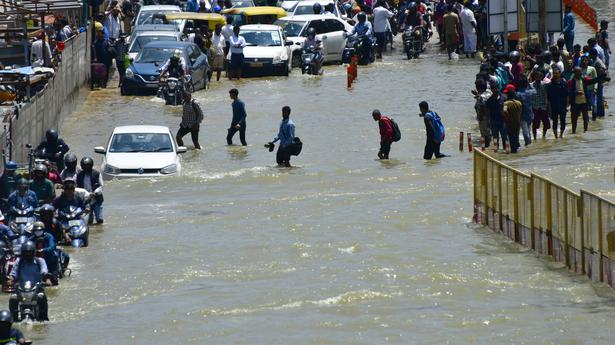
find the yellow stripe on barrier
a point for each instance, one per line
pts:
(577, 229)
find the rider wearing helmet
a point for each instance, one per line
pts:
(313, 44)
(91, 180)
(317, 8)
(175, 67)
(70, 167)
(8, 334)
(41, 185)
(23, 195)
(363, 26)
(29, 268)
(52, 225)
(7, 180)
(45, 247)
(53, 148)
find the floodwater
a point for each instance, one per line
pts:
(342, 248)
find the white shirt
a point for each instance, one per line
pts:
(219, 43)
(381, 19)
(36, 53)
(113, 25)
(237, 44)
(227, 32)
(467, 18)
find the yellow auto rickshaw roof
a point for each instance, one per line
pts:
(257, 11)
(194, 16)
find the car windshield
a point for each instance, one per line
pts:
(262, 38)
(155, 17)
(153, 55)
(141, 142)
(141, 41)
(291, 28)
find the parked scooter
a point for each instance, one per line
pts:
(75, 225)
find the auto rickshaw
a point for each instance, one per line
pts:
(255, 15)
(196, 20)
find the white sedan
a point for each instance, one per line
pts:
(140, 151)
(267, 51)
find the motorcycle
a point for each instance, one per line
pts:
(309, 64)
(28, 295)
(7, 261)
(77, 228)
(359, 45)
(413, 42)
(22, 219)
(172, 89)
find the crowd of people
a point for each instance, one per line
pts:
(531, 91)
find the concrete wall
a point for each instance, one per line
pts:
(49, 107)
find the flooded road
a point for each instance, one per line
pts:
(341, 249)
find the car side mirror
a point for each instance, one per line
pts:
(100, 149)
(182, 149)
(288, 43)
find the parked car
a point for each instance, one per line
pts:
(142, 38)
(143, 73)
(154, 14)
(329, 29)
(267, 51)
(140, 151)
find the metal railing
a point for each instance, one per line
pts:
(577, 229)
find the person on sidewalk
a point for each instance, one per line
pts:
(286, 136)
(512, 116)
(386, 133)
(432, 143)
(192, 116)
(239, 119)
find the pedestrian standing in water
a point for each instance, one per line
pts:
(482, 94)
(286, 136)
(525, 94)
(557, 95)
(239, 119)
(577, 92)
(512, 116)
(451, 31)
(434, 135)
(192, 116)
(539, 104)
(386, 133)
(237, 45)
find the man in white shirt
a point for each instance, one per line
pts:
(219, 45)
(36, 53)
(227, 32)
(468, 25)
(113, 23)
(237, 44)
(381, 23)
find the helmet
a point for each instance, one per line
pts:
(46, 209)
(514, 54)
(38, 226)
(362, 16)
(70, 160)
(412, 6)
(175, 57)
(317, 8)
(22, 184)
(311, 32)
(40, 167)
(51, 135)
(546, 55)
(10, 165)
(5, 316)
(87, 162)
(28, 249)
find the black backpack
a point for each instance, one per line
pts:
(396, 131)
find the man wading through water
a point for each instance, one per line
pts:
(239, 119)
(286, 136)
(192, 117)
(386, 133)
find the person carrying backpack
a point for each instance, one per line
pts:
(389, 132)
(192, 116)
(435, 131)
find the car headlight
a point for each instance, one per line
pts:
(110, 169)
(130, 73)
(169, 169)
(277, 59)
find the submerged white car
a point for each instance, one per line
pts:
(267, 51)
(140, 151)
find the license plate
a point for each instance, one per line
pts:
(256, 64)
(74, 222)
(151, 86)
(306, 56)
(21, 220)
